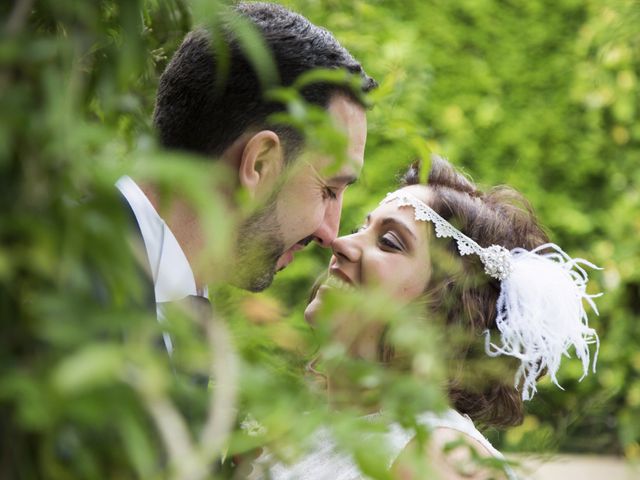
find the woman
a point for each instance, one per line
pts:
(518, 296)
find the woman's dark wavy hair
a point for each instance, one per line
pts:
(465, 297)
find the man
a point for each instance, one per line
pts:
(220, 113)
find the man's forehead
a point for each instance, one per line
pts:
(347, 113)
(338, 171)
(350, 117)
(342, 168)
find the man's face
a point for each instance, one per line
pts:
(308, 205)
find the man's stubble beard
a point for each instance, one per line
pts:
(258, 249)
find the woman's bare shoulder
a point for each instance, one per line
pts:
(449, 454)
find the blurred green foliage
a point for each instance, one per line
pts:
(539, 95)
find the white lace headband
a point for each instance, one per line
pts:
(540, 313)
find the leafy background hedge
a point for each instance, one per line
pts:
(539, 95)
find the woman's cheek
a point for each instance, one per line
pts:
(411, 285)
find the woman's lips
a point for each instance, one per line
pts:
(336, 272)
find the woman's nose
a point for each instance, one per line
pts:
(347, 248)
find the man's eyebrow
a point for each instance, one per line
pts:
(400, 224)
(346, 179)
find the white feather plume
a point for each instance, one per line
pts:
(540, 310)
(541, 314)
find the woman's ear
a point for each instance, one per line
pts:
(261, 163)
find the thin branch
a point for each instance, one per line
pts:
(222, 402)
(18, 17)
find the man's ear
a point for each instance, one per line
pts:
(261, 163)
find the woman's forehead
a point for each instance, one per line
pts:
(421, 192)
(391, 209)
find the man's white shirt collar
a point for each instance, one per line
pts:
(172, 275)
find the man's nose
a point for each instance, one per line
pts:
(327, 232)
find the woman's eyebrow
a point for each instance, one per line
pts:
(398, 223)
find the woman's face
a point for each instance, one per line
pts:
(389, 252)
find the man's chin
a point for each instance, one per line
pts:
(258, 283)
(254, 276)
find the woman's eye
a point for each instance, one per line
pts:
(390, 241)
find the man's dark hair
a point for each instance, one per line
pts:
(196, 112)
